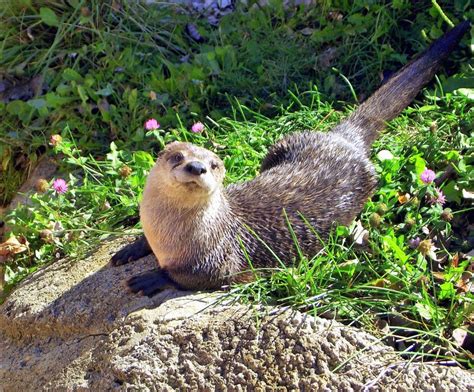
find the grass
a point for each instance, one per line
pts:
(261, 74)
(388, 287)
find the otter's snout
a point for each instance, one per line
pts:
(196, 168)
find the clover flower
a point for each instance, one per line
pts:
(385, 155)
(403, 198)
(427, 248)
(447, 215)
(42, 185)
(438, 198)
(125, 171)
(414, 242)
(427, 176)
(197, 127)
(151, 124)
(54, 140)
(47, 236)
(60, 186)
(375, 220)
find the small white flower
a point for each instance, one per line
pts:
(385, 155)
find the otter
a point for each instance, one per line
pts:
(205, 235)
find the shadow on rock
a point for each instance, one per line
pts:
(63, 311)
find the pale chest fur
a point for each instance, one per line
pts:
(178, 235)
(164, 233)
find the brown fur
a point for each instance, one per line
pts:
(202, 233)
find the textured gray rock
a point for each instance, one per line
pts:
(72, 326)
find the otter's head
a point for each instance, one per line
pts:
(187, 173)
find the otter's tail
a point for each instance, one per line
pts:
(363, 126)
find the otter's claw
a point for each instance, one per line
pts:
(134, 251)
(150, 283)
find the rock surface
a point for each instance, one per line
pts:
(73, 326)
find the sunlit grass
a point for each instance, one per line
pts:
(256, 78)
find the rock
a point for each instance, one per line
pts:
(44, 168)
(73, 326)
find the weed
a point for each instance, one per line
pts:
(104, 74)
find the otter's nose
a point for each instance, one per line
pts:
(196, 168)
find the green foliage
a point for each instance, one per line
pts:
(101, 195)
(96, 55)
(264, 72)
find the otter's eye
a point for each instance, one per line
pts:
(176, 158)
(214, 165)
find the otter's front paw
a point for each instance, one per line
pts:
(150, 283)
(134, 251)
